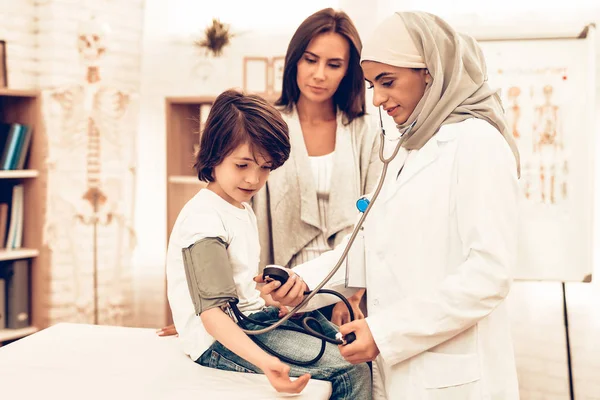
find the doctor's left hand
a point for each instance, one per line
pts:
(363, 349)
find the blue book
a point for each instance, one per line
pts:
(21, 155)
(10, 151)
(9, 145)
(4, 133)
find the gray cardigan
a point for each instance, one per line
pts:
(286, 208)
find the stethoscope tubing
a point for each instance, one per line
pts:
(357, 227)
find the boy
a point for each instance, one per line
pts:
(213, 255)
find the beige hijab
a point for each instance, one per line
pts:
(455, 62)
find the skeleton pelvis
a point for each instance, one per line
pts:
(95, 196)
(94, 208)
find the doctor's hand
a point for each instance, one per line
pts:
(363, 349)
(289, 294)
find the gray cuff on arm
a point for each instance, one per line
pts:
(209, 274)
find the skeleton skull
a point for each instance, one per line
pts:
(91, 41)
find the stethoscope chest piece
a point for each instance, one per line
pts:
(362, 204)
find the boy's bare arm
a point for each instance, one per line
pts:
(225, 331)
(229, 334)
(170, 329)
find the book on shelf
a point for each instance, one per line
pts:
(15, 275)
(14, 237)
(3, 224)
(2, 303)
(14, 145)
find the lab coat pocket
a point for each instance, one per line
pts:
(442, 370)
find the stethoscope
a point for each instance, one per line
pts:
(364, 205)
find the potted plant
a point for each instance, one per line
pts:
(216, 37)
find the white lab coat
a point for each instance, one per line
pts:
(440, 243)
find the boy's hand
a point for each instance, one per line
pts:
(167, 331)
(289, 294)
(278, 375)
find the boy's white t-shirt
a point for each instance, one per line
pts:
(208, 215)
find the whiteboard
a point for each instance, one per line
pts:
(547, 89)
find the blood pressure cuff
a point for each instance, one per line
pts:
(209, 274)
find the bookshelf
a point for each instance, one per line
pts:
(18, 254)
(183, 116)
(24, 106)
(13, 334)
(19, 174)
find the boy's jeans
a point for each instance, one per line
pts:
(350, 382)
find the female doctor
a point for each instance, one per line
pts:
(441, 239)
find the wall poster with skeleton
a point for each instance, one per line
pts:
(91, 186)
(548, 97)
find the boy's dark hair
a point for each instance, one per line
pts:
(350, 95)
(235, 119)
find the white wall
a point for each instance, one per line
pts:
(57, 24)
(17, 28)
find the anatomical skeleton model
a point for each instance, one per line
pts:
(513, 113)
(513, 117)
(94, 148)
(548, 144)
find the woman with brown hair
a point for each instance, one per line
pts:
(334, 158)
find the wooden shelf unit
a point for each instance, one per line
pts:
(24, 106)
(13, 334)
(18, 254)
(19, 174)
(183, 116)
